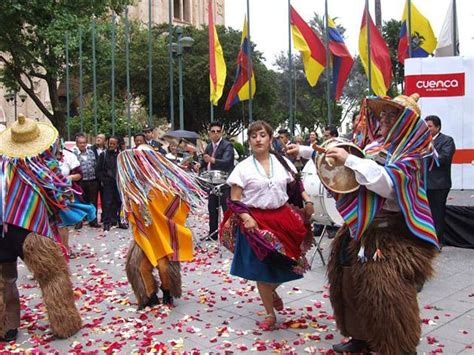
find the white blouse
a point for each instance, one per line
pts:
(259, 190)
(68, 163)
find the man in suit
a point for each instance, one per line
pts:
(149, 139)
(218, 155)
(439, 178)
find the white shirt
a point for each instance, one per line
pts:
(260, 191)
(368, 173)
(68, 163)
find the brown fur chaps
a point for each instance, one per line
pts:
(46, 261)
(9, 298)
(376, 301)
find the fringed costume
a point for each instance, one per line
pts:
(388, 243)
(157, 197)
(32, 192)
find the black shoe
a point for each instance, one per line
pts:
(167, 298)
(123, 226)
(114, 223)
(78, 225)
(10, 335)
(352, 346)
(106, 227)
(94, 224)
(153, 301)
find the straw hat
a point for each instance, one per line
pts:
(377, 104)
(26, 138)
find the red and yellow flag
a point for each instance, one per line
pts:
(217, 68)
(310, 46)
(381, 65)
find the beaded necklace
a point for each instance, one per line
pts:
(270, 175)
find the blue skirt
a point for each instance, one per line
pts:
(76, 212)
(245, 264)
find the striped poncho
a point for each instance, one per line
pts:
(407, 146)
(34, 191)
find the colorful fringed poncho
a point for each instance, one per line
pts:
(407, 145)
(34, 192)
(157, 196)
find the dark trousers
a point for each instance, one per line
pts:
(90, 191)
(111, 204)
(213, 206)
(437, 200)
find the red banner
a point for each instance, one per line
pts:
(435, 85)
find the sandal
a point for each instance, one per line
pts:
(268, 323)
(277, 302)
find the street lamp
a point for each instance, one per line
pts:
(11, 98)
(178, 49)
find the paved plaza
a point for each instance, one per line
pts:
(218, 312)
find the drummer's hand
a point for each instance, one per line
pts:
(339, 154)
(207, 158)
(292, 149)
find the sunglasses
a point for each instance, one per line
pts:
(215, 131)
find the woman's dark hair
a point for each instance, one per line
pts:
(435, 119)
(259, 125)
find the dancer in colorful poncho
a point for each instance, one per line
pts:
(388, 242)
(32, 192)
(267, 236)
(157, 196)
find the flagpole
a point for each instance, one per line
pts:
(328, 74)
(455, 25)
(369, 60)
(210, 101)
(150, 63)
(170, 59)
(290, 75)
(249, 63)
(409, 28)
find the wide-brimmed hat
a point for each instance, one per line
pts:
(377, 104)
(27, 138)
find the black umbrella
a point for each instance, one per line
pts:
(181, 133)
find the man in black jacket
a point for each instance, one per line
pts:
(218, 155)
(148, 131)
(106, 172)
(439, 178)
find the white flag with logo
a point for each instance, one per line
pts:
(445, 46)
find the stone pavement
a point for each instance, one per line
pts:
(218, 312)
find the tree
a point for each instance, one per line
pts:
(391, 34)
(32, 44)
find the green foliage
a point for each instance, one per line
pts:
(391, 34)
(32, 42)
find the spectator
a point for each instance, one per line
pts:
(100, 145)
(139, 139)
(88, 182)
(107, 173)
(148, 131)
(330, 132)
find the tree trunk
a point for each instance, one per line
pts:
(58, 118)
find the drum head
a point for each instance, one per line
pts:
(337, 177)
(325, 211)
(215, 177)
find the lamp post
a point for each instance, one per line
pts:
(178, 49)
(11, 98)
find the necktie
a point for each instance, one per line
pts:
(214, 148)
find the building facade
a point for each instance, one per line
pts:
(184, 12)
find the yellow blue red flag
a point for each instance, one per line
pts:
(240, 89)
(341, 60)
(423, 40)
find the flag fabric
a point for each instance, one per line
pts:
(446, 45)
(217, 68)
(240, 89)
(342, 60)
(423, 39)
(310, 46)
(381, 65)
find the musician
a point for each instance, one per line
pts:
(267, 236)
(218, 155)
(439, 177)
(379, 256)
